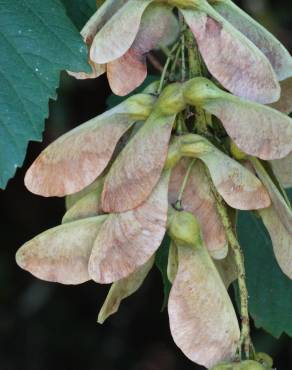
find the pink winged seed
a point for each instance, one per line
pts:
(280, 205)
(256, 129)
(75, 159)
(119, 32)
(88, 32)
(61, 254)
(158, 26)
(100, 18)
(284, 104)
(276, 53)
(283, 170)
(238, 187)
(127, 240)
(281, 239)
(137, 169)
(123, 289)
(198, 199)
(127, 72)
(202, 320)
(232, 59)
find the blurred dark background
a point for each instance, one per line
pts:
(47, 326)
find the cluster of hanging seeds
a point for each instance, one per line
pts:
(210, 137)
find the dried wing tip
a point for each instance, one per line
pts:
(94, 24)
(284, 104)
(281, 239)
(123, 289)
(283, 170)
(99, 19)
(227, 269)
(281, 206)
(96, 71)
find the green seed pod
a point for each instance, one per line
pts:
(140, 106)
(264, 359)
(225, 366)
(251, 365)
(184, 228)
(152, 88)
(245, 365)
(236, 152)
(171, 100)
(174, 153)
(198, 90)
(184, 3)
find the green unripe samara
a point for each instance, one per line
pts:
(184, 228)
(264, 359)
(236, 152)
(244, 365)
(171, 100)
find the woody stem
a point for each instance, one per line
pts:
(203, 120)
(245, 340)
(166, 66)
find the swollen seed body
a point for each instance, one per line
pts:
(184, 228)
(264, 359)
(171, 101)
(236, 152)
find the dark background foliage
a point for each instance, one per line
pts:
(48, 326)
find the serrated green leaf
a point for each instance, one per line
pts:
(161, 259)
(37, 41)
(270, 291)
(79, 11)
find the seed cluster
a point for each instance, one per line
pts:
(180, 158)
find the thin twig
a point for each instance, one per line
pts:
(155, 62)
(174, 65)
(203, 120)
(167, 63)
(178, 204)
(183, 59)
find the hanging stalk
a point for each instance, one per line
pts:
(203, 120)
(245, 340)
(166, 66)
